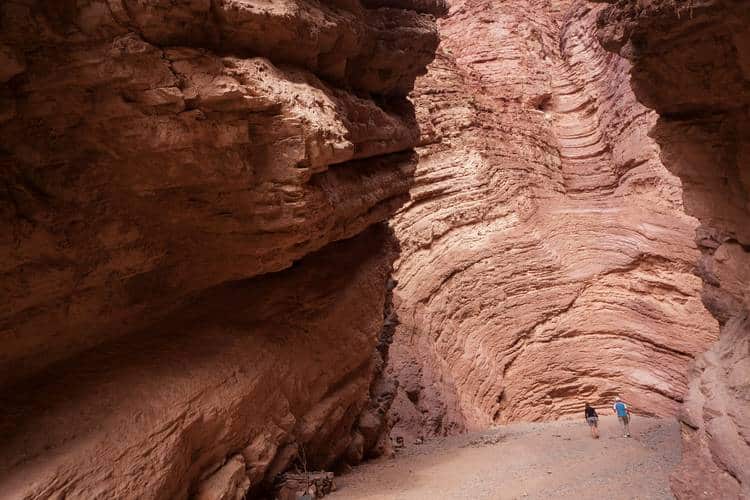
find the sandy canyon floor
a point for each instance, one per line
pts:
(530, 461)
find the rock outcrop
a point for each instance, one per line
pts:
(192, 298)
(546, 259)
(691, 63)
(197, 283)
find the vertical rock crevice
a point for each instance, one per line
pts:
(546, 258)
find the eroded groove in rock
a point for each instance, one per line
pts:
(546, 258)
(691, 63)
(160, 161)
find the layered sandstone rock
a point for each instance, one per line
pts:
(691, 63)
(546, 259)
(257, 368)
(159, 160)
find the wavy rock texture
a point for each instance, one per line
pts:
(691, 63)
(546, 258)
(159, 160)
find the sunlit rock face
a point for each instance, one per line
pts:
(691, 63)
(191, 296)
(546, 257)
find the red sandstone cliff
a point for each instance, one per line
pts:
(190, 293)
(691, 63)
(194, 292)
(546, 258)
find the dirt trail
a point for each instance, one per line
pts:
(555, 460)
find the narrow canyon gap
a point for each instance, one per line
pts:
(577, 280)
(546, 257)
(219, 215)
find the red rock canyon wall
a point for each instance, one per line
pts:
(197, 287)
(191, 295)
(546, 258)
(691, 63)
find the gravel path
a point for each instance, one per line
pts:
(555, 460)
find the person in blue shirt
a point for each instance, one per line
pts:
(623, 415)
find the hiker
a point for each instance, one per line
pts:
(623, 415)
(593, 420)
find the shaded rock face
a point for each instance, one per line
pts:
(191, 293)
(691, 63)
(154, 413)
(546, 259)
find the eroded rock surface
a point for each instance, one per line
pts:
(196, 287)
(691, 63)
(255, 368)
(546, 258)
(163, 163)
